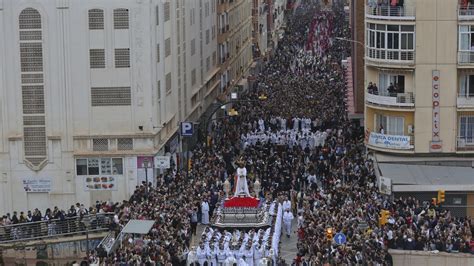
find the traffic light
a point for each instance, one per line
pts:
(190, 164)
(329, 234)
(441, 196)
(384, 215)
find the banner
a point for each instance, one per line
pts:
(436, 145)
(162, 162)
(32, 184)
(390, 141)
(100, 183)
(385, 185)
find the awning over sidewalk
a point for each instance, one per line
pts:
(412, 177)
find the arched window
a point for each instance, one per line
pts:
(32, 86)
(96, 19)
(120, 18)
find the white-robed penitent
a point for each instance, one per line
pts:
(205, 212)
(287, 218)
(241, 188)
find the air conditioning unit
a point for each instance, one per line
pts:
(461, 143)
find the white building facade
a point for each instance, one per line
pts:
(88, 89)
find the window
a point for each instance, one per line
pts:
(100, 144)
(96, 19)
(192, 17)
(466, 44)
(158, 89)
(93, 166)
(30, 18)
(208, 63)
(97, 58)
(392, 42)
(213, 32)
(167, 10)
(120, 18)
(168, 83)
(122, 58)
(206, 9)
(385, 80)
(81, 167)
(117, 166)
(158, 52)
(214, 58)
(193, 46)
(99, 166)
(111, 96)
(207, 36)
(125, 144)
(31, 56)
(467, 86)
(466, 129)
(157, 11)
(392, 125)
(193, 77)
(167, 47)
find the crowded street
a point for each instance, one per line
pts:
(293, 134)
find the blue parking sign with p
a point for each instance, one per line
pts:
(187, 128)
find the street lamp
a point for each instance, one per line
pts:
(350, 40)
(145, 165)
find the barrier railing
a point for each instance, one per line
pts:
(465, 11)
(391, 55)
(397, 12)
(393, 99)
(466, 57)
(56, 227)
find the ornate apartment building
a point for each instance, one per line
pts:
(89, 89)
(420, 55)
(234, 38)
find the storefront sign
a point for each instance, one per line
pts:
(162, 162)
(390, 141)
(32, 184)
(435, 143)
(100, 183)
(385, 185)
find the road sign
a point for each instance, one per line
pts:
(187, 128)
(162, 162)
(340, 239)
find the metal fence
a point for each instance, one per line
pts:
(56, 227)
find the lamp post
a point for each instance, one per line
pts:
(145, 165)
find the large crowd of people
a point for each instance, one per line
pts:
(301, 146)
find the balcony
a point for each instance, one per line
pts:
(388, 12)
(383, 56)
(398, 100)
(465, 57)
(465, 101)
(465, 12)
(390, 142)
(465, 144)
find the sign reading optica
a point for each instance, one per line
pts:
(435, 143)
(390, 141)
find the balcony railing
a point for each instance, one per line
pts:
(55, 228)
(390, 56)
(465, 12)
(465, 144)
(390, 12)
(405, 100)
(392, 142)
(465, 57)
(465, 101)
